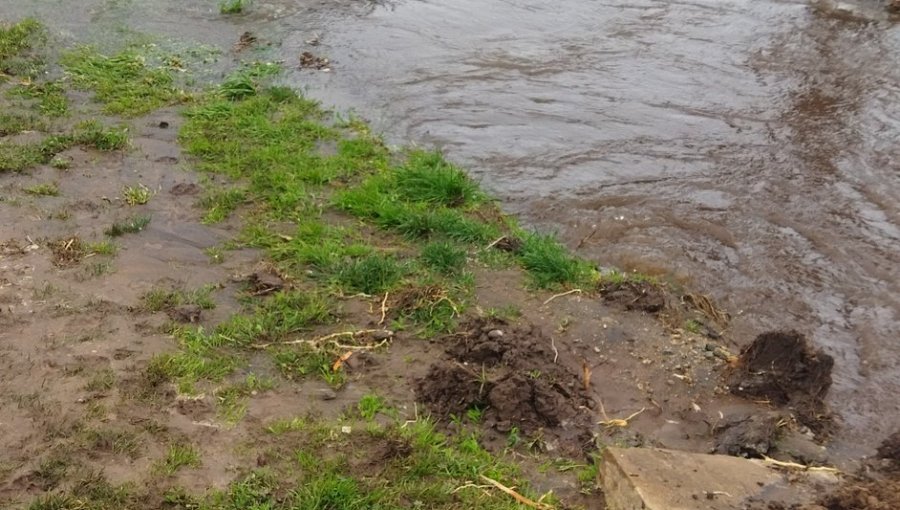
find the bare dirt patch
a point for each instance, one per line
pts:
(511, 375)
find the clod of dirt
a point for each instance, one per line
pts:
(185, 313)
(310, 61)
(184, 188)
(262, 283)
(751, 436)
(67, 252)
(641, 296)
(246, 40)
(513, 379)
(782, 367)
(890, 451)
(867, 495)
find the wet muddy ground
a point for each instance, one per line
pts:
(770, 188)
(747, 147)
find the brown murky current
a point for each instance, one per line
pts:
(752, 147)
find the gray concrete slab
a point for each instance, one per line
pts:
(657, 479)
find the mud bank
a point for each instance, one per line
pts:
(239, 293)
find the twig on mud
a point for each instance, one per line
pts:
(555, 350)
(383, 308)
(802, 467)
(494, 242)
(470, 485)
(415, 415)
(515, 495)
(573, 291)
(586, 238)
(586, 375)
(616, 422)
(327, 338)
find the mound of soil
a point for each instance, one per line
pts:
(782, 367)
(515, 377)
(641, 296)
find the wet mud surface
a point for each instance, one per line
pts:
(748, 147)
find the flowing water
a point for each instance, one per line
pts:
(752, 147)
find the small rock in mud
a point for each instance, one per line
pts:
(802, 449)
(635, 296)
(751, 436)
(185, 313)
(310, 61)
(782, 367)
(262, 283)
(184, 188)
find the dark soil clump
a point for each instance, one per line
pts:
(890, 450)
(783, 368)
(510, 374)
(640, 296)
(753, 436)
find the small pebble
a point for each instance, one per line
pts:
(495, 334)
(709, 355)
(382, 335)
(327, 395)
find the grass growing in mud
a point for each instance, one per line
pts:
(341, 217)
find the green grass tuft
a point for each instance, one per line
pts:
(47, 189)
(50, 97)
(550, 264)
(180, 455)
(15, 41)
(157, 300)
(137, 195)
(427, 177)
(233, 6)
(372, 274)
(444, 257)
(131, 225)
(124, 83)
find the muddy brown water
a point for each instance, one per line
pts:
(750, 147)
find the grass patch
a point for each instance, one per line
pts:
(444, 257)
(427, 177)
(179, 455)
(157, 300)
(212, 355)
(370, 405)
(233, 6)
(220, 204)
(16, 157)
(232, 399)
(372, 274)
(124, 83)
(131, 225)
(136, 195)
(16, 41)
(49, 96)
(47, 189)
(107, 247)
(13, 123)
(103, 380)
(120, 442)
(550, 265)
